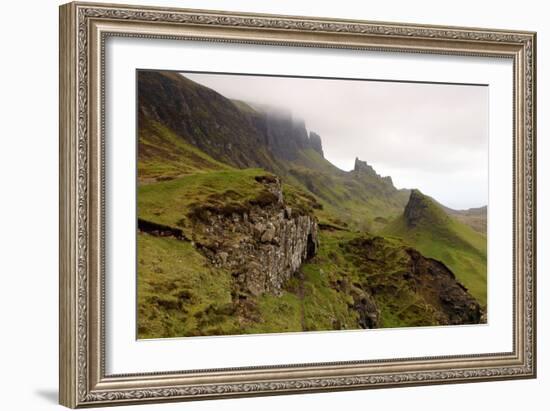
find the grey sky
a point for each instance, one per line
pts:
(433, 137)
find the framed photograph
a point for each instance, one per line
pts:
(259, 204)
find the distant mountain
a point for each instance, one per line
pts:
(474, 217)
(427, 227)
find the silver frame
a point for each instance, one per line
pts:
(84, 27)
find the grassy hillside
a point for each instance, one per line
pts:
(179, 292)
(437, 235)
(169, 202)
(360, 202)
(194, 298)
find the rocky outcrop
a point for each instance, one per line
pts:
(438, 285)
(364, 168)
(262, 245)
(367, 310)
(404, 281)
(421, 209)
(284, 135)
(366, 173)
(250, 136)
(315, 143)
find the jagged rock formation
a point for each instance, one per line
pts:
(284, 135)
(262, 245)
(439, 285)
(315, 143)
(421, 209)
(363, 167)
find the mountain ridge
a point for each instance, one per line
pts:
(240, 135)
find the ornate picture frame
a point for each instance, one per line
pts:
(84, 29)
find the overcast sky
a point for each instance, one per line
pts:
(433, 137)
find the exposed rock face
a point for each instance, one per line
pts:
(262, 246)
(368, 314)
(367, 173)
(285, 136)
(421, 209)
(365, 305)
(316, 143)
(252, 136)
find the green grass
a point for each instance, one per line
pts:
(309, 301)
(168, 267)
(276, 314)
(163, 155)
(173, 202)
(169, 202)
(179, 292)
(324, 307)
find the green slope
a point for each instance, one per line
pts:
(180, 299)
(163, 155)
(429, 229)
